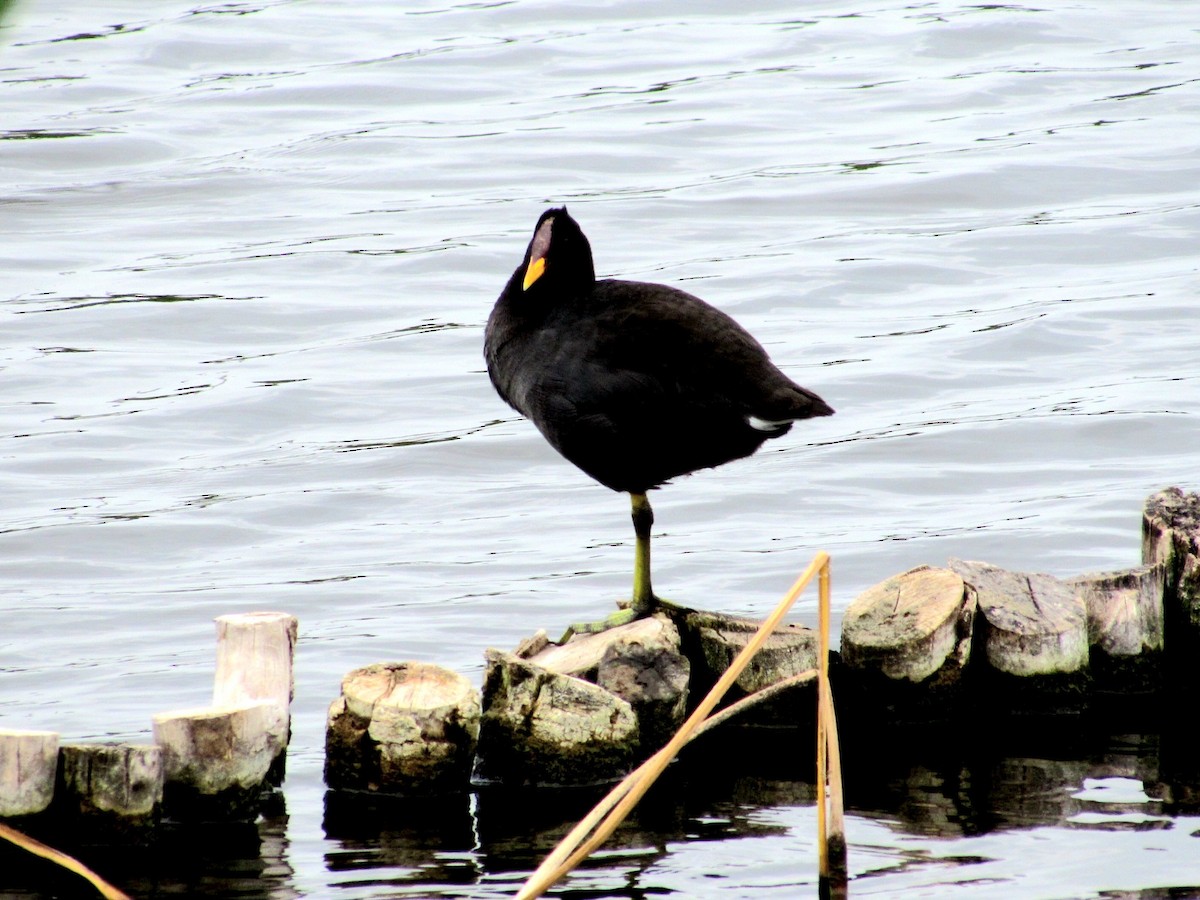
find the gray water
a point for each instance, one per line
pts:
(247, 252)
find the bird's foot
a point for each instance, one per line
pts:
(630, 611)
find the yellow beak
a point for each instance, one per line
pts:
(534, 272)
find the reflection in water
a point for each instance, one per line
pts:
(244, 860)
(1014, 774)
(932, 782)
(936, 782)
(499, 837)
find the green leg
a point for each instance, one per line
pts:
(643, 601)
(643, 520)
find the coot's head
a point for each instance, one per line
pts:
(559, 258)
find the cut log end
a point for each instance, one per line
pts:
(911, 627)
(28, 763)
(543, 728)
(402, 727)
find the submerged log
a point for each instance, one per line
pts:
(912, 629)
(110, 788)
(403, 727)
(216, 760)
(1171, 538)
(542, 728)
(28, 763)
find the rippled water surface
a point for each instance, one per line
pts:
(247, 252)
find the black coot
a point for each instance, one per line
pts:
(634, 383)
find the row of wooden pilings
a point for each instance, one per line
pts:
(967, 639)
(207, 764)
(960, 642)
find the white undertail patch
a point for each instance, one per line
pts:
(766, 424)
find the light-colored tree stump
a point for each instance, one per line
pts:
(28, 763)
(255, 654)
(790, 650)
(542, 728)
(1124, 610)
(216, 760)
(580, 657)
(114, 788)
(1171, 538)
(1035, 625)
(712, 641)
(651, 675)
(914, 627)
(1125, 629)
(641, 663)
(402, 727)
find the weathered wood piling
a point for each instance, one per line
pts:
(402, 728)
(641, 665)
(965, 640)
(1171, 539)
(218, 760)
(28, 767)
(111, 789)
(1030, 642)
(214, 763)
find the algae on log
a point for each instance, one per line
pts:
(402, 727)
(542, 728)
(914, 627)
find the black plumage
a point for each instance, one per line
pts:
(635, 383)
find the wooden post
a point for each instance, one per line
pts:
(915, 627)
(402, 727)
(28, 762)
(255, 651)
(542, 728)
(1171, 539)
(110, 788)
(1125, 613)
(1035, 637)
(789, 650)
(216, 760)
(1125, 628)
(640, 662)
(255, 654)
